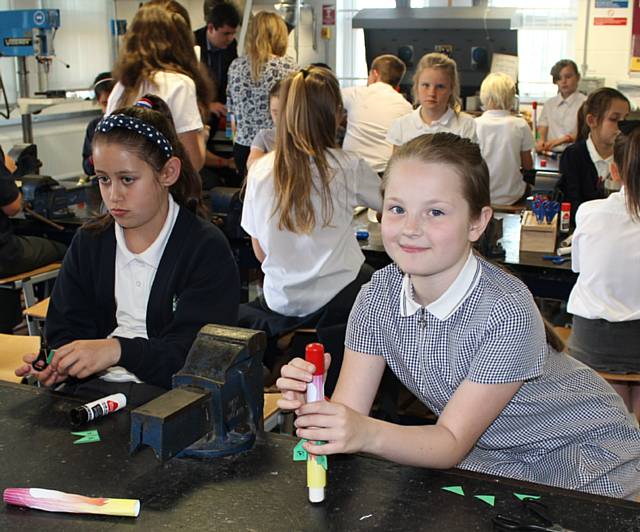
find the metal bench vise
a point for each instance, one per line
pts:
(215, 406)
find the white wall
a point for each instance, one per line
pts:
(608, 47)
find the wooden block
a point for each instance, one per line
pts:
(12, 349)
(538, 237)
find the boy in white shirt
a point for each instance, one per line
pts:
(371, 109)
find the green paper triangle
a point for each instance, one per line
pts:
(489, 499)
(523, 496)
(88, 436)
(321, 459)
(299, 452)
(454, 489)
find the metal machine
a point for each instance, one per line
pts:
(25, 33)
(215, 406)
(468, 35)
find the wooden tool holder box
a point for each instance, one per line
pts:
(538, 236)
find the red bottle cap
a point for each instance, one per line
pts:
(534, 105)
(543, 162)
(314, 353)
(566, 206)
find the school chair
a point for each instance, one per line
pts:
(27, 280)
(12, 349)
(36, 316)
(272, 415)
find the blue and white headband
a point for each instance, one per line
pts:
(137, 126)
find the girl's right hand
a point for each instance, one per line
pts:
(293, 382)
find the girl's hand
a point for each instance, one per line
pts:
(46, 377)
(344, 429)
(293, 382)
(84, 358)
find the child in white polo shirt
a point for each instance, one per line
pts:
(558, 123)
(505, 140)
(436, 87)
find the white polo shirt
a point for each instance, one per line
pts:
(303, 272)
(370, 112)
(602, 165)
(560, 115)
(410, 126)
(133, 280)
(606, 253)
(502, 138)
(177, 90)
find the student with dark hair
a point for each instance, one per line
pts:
(585, 164)
(218, 49)
(605, 300)
(102, 87)
(557, 123)
(371, 110)
(139, 282)
(18, 254)
(467, 339)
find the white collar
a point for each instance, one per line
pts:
(152, 255)
(443, 120)
(593, 153)
(453, 296)
(569, 99)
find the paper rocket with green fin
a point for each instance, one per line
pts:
(300, 454)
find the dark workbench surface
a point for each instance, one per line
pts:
(261, 489)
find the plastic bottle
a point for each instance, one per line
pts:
(565, 217)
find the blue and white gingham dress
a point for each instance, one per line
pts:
(565, 427)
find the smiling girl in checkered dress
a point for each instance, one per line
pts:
(467, 339)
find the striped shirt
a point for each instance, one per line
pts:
(565, 426)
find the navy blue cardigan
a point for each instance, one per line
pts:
(580, 181)
(196, 283)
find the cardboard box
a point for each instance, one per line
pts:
(535, 236)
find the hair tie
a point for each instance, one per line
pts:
(137, 126)
(304, 72)
(144, 102)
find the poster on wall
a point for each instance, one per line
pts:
(635, 38)
(612, 4)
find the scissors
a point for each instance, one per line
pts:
(44, 358)
(556, 259)
(539, 512)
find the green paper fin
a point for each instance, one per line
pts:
(489, 499)
(299, 452)
(88, 436)
(524, 496)
(454, 489)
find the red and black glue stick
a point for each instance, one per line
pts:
(100, 407)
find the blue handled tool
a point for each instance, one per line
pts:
(556, 259)
(551, 208)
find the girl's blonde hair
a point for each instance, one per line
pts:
(160, 40)
(310, 102)
(446, 64)
(266, 36)
(498, 91)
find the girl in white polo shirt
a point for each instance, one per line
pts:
(467, 339)
(298, 209)
(605, 301)
(505, 140)
(436, 87)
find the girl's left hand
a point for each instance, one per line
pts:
(344, 429)
(83, 358)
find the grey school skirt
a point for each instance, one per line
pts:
(606, 345)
